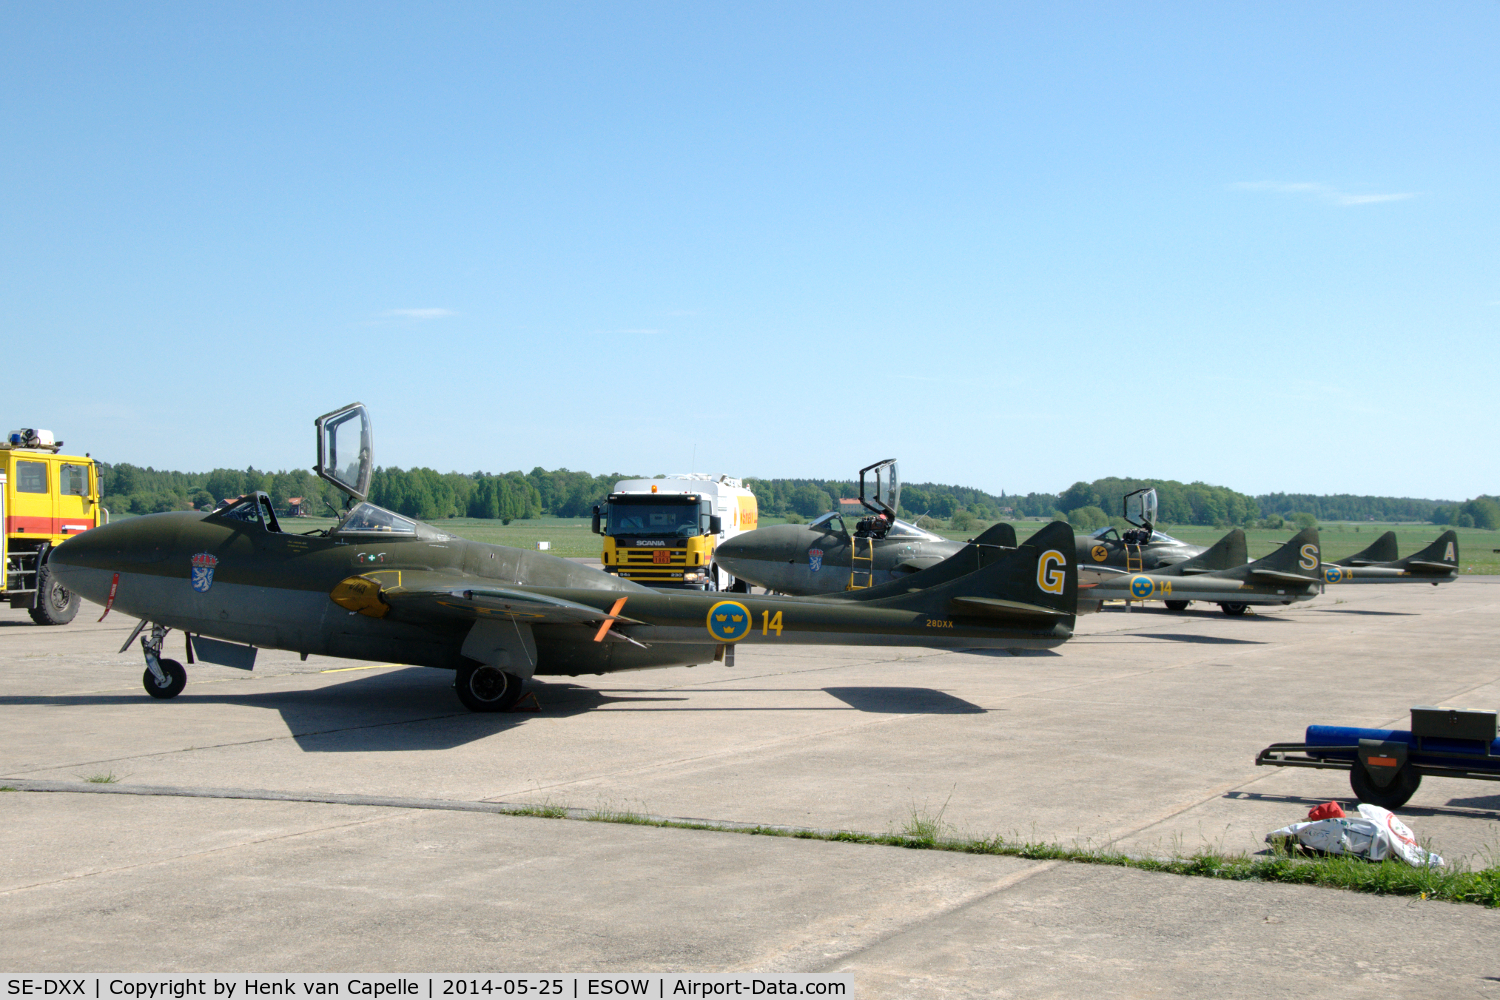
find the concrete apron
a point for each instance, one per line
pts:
(1139, 734)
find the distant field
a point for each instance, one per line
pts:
(1476, 547)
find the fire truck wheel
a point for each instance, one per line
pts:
(55, 604)
(176, 680)
(740, 587)
(1393, 796)
(483, 688)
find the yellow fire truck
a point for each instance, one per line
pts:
(45, 498)
(663, 532)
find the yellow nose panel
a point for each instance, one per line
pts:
(362, 594)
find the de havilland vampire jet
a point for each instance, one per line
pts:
(825, 557)
(379, 586)
(1220, 575)
(1437, 563)
(1141, 548)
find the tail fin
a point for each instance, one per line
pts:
(1382, 550)
(1438, 559)
(1033, 584)
(1295, 562)
(999, 533)
(1227, 553)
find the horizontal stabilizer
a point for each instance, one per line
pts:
(1005, 609)
(1276, 576)
(1435, 567)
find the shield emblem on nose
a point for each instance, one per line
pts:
(203, 571)
(815, 559)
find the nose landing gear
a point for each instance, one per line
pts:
(163, 678)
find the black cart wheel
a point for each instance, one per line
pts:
(176, 680)
(1176, 605)
(1234, 608)
(483, 688)
(55, 604)
(1393, 796)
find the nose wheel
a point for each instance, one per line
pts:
(163, 678)
(167, 681)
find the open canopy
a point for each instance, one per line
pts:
(345, 457)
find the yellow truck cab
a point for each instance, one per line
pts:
(45, 498)
(664, 532)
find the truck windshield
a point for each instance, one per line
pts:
(678, 520)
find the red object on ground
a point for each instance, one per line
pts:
(1328, 810)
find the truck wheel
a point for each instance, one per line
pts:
(483, 688)
(740, 587)
(1234, 608)
(1393, 796)
(55, 604)
(176, 680)
(1176, 605)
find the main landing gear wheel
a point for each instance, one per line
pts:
(483, 688)
(1176, 605)
(176, 680)
(1234, 608)
(1393, 796)
(55, 604)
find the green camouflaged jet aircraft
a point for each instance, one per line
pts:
(1220, 575)
(379, 586)
(1435, 564)
(825, 557)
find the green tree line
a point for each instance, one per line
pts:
(1481, 512)
(1346, 507)
(429, 495)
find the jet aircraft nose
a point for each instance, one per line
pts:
(776, 543)
(86, 563)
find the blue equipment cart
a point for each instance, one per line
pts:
(1386, 765)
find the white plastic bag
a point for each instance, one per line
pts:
(1376, 835)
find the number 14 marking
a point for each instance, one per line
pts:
(769, 621)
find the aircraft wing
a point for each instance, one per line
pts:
(366, 595)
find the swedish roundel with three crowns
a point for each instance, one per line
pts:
(203, 571)
(728, 621)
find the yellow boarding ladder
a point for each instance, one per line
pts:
(856, 571)
(1132, 558)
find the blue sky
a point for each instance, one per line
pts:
(1014, 245)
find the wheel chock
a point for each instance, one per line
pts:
(528, 703)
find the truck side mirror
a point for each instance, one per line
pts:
(596, 519)
(715, 524)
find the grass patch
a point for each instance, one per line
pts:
(8, 788)
(609, 814)
(544, 810)
(1456, 884)
(104, 778)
